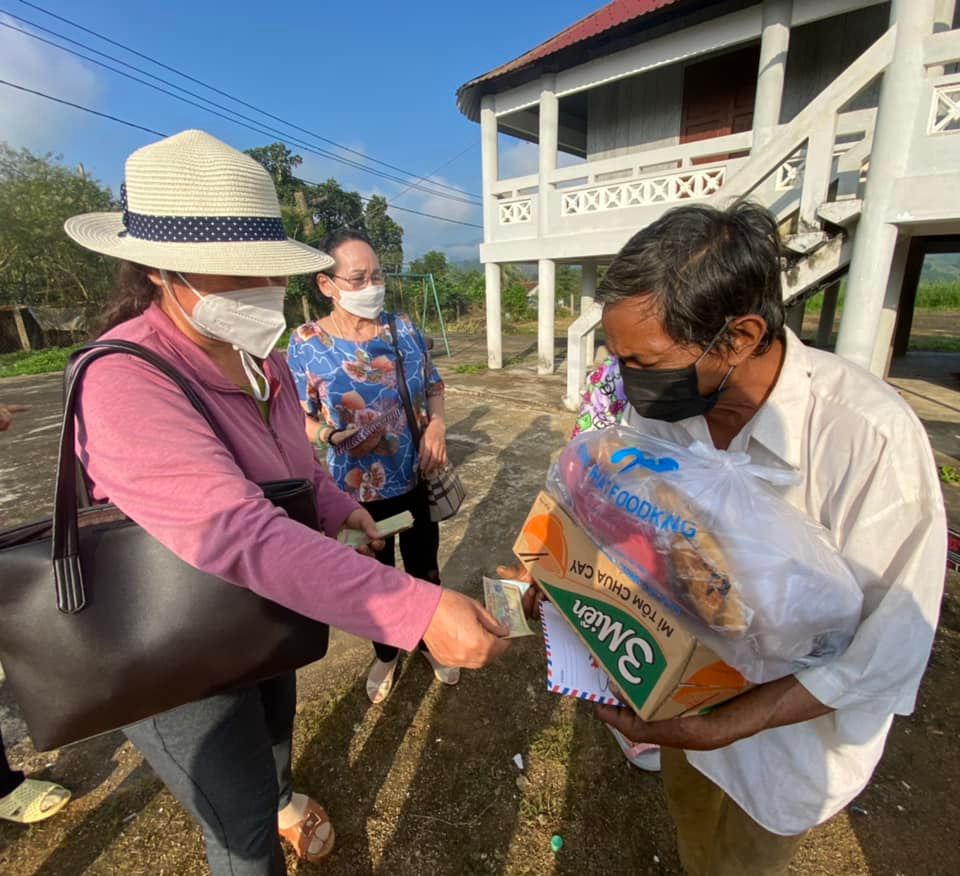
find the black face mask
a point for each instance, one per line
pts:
(669, 394)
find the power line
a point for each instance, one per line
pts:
(273, 132)
(436, 170)
(408, 209)
(226, 94)
(86, 109)
(94, 112)
(265, 130)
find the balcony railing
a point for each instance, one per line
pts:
(632, 189)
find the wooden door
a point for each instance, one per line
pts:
(718, 97)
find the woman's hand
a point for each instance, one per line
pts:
(433, 446)
(463, 633)
(8, 412)
(363, 449)
(363, 522)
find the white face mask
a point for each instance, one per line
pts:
(251, 320)
(366, 303)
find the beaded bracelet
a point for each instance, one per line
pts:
(320, 441)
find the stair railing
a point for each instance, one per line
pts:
(813, 134)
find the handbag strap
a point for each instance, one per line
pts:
(402, 387)
(68, 577)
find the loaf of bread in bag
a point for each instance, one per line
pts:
(700, 569)
(698, 576)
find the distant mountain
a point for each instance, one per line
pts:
(941, 268)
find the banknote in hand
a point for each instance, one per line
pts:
(504, 600)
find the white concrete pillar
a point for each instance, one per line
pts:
(588, 293)
(828, 313)
(774, 44)
(489, 164)
(548, 138)
(546, 303)
(494, 330)
(876, 238)
(490, 173)
(887, 323)
(547, 269)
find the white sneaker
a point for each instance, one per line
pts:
(641, 754)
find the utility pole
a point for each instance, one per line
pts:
(308, 229)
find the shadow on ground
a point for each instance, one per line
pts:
(426, 783)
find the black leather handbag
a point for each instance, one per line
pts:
(102, 626)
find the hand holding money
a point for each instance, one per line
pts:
(532, 596)
(504, 600)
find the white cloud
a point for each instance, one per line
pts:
(28, 120)
(462, 252)
(518, 158)
(421, 233)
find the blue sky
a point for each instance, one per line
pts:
(379, 77)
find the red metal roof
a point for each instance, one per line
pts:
(608, 17)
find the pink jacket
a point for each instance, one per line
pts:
(146, 450)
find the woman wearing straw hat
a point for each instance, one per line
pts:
(202, 284)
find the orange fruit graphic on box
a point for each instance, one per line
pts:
(544, 542)
(715, 682)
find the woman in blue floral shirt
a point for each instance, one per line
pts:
(345, 369)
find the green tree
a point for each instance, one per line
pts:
(568, 288)
(280, 163)
(466, 291)
(385, 234)
(514, 295)
(39, 264)
(432, 262)
(334, 207)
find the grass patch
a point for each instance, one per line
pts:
(470, 368)
(938, 296)
(54, 359)
(26, 362)
(930, 296)
(931, 344)
(553, 743)
(949, 474)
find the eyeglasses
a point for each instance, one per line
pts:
(360, 281)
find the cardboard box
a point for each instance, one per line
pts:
(661, 669)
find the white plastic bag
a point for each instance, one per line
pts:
(703, 531)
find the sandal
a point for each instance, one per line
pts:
(301, 835)
(380, 679)
(33, 800)
(445, 674)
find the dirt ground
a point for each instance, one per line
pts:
(426, 783)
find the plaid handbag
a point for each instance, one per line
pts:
(445, 492)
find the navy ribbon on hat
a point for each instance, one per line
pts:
(199, 229)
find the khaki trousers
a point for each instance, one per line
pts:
(715, 837)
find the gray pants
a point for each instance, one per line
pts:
(227, 760)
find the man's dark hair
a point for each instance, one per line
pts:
(703, 266)
(333, 240)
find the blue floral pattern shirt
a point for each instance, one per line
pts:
(355, 384)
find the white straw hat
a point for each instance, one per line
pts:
(193, 204)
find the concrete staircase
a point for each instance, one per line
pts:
(811, 175)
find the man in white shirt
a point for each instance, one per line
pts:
(693, 309)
